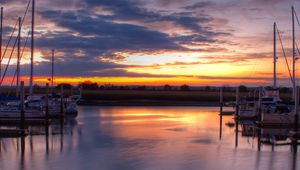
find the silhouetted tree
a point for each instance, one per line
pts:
(65, 86)
(167, 87)
(36, 86)
(109, 87)
(185, 88)
(243, 88)
(207, 88)
(141, 88)
(227, 89)
(102, 87)
(284, 90)
(88, 85)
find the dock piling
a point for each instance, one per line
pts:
(47, 118)
(259, 133)
(296, 114)
(221, 111)
(22, 127)
(237, 95)
(22, 95)
(236, 133)
(296, 120)
(260, 114)
(61, 103)
(47, 103)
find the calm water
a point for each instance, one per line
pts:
(166, 138)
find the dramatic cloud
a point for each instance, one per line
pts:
(110, 37)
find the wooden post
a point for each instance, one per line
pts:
(237, 98)
(22, 106)
(47, 103)
(237, 102)
(80, 91)
(221, 110)
(260, 114)
(61, 109)
(295, 162)
(47, 140)
(236, 133)
(22, 149)
(221, 100)
(260, 119)
(61, 138)
(296, 119)
(47, 117)
(296, 114)
(258, 138)
(61, 102)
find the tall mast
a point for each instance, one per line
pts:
(294, 58)
(1, 31)
(275, 58)
(52, 71)
(32, 49)
(19, 57)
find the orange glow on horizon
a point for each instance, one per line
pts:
(156, 81)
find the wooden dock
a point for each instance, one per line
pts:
(276, 120)
(266, 124)
(11, 133)
(12, 121)
(250, 118)
(227, 113)
(294, 135)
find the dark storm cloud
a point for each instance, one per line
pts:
(73, 67)
(199, 5)
(189, 22)
(131, 10)
(273, 2)
(7, 1)
(82, 69)
(126, 9)
(107, 35)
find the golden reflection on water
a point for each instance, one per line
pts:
(180, 115)
(143, 138)
(160, 122)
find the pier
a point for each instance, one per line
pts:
(273, 129)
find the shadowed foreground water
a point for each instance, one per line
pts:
(167, 138)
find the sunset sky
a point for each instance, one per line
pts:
(156, 42)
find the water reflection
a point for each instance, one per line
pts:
(149, 138)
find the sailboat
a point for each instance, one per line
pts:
(12, 109)
(55, 100)
(35, 104)
(270, 101)
(287, 118)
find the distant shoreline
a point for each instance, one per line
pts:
(156, 98)
(145, 103)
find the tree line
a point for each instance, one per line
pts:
(88, 85)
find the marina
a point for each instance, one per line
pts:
(26, 109)
(149, 85)
(145, 137)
